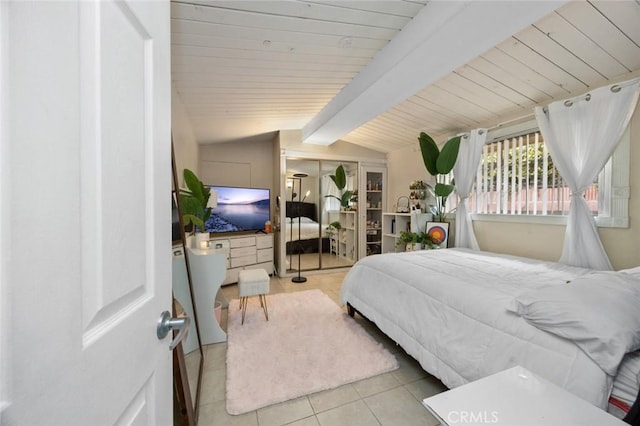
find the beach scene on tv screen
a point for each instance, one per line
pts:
(239, 209)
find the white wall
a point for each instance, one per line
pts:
(404, 166)
(184, 140)
(246, 164)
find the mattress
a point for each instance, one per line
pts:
(447, 309)
(626, 384)
(306, 231)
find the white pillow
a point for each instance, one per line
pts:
(599, 311)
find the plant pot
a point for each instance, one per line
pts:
(413, 246)
(201, 240)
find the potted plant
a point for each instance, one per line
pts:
(194, 201)
(439, 164)
(334, 227)
(340, 179)
(354, 200)
(427, 241)
(410, 240)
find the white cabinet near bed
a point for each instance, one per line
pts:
(394, 223)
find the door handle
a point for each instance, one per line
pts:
(166, 323)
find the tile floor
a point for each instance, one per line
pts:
(390, 399)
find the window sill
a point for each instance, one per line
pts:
(601, 222)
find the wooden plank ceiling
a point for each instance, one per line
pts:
(245, 69)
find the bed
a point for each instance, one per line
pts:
(304, 238)
(464, 315)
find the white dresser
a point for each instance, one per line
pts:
(245, 252)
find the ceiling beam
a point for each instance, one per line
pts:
(441, 37)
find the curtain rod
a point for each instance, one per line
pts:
(504, 123)
(616, 87)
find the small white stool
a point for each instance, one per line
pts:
(253, 282)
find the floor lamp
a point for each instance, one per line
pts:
(290, 184)
(299, 177)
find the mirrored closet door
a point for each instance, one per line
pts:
(320, 230)
(302, 226)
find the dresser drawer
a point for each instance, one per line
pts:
(242, 242)
(243, 251)
(243, 261)
(264, 241)
(265, 255)
(222, 245)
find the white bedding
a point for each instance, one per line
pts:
(447, 308)
(309, 229)
(627, 381)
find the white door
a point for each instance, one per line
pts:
(85, 186)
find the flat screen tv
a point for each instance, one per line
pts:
(239, 209)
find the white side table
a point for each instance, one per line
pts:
(515, 397)
(208, 270)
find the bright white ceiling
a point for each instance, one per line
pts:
(245, 69)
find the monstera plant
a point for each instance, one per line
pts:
(439, 164)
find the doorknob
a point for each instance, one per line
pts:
(166, 323)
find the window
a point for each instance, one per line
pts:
(517, 177)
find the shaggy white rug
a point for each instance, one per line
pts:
(308, 345)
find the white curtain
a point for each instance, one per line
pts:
(329, 188)
(581, 134)
(464, 173)
(351, 182)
